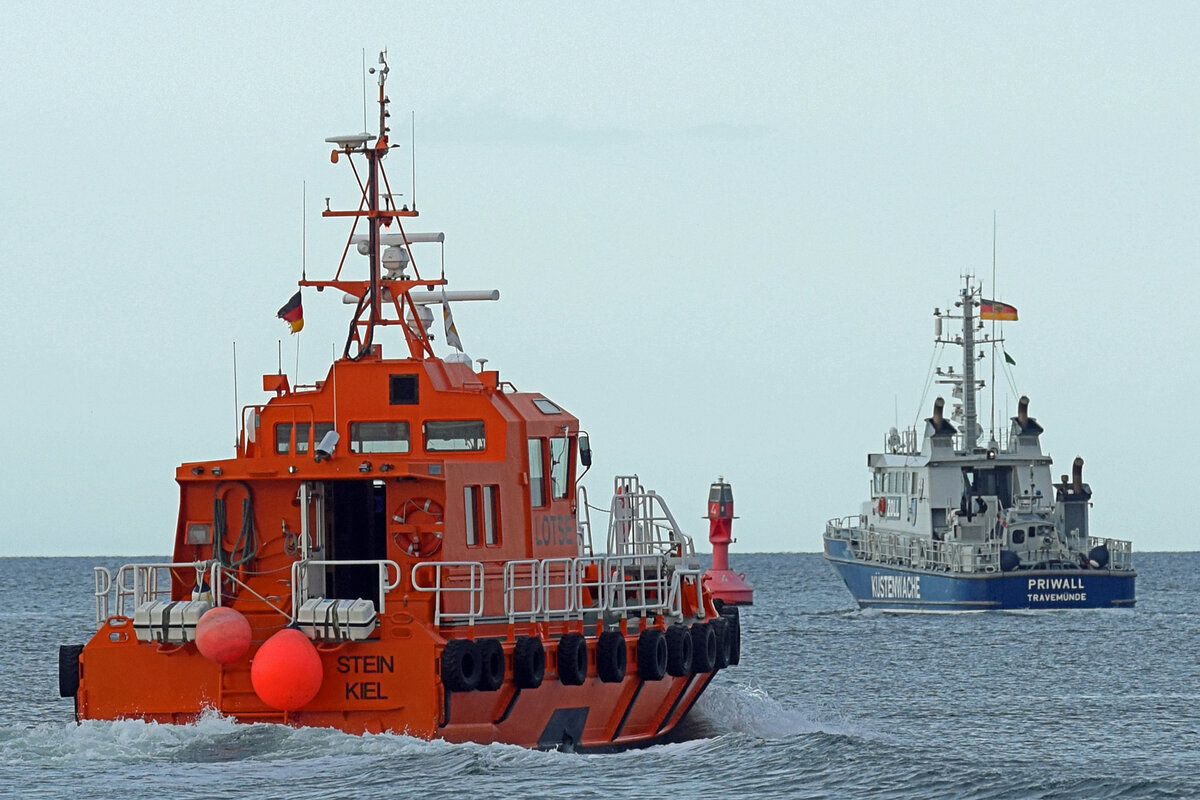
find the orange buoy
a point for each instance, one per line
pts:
(222, 635)
(286, 671)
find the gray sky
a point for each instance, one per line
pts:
(719, 231)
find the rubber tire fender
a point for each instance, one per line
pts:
(704, 648)
(679, 651)
(572, 657)
(611, 657)
(651, 655)
(734, 617)
(491, 664)
(529, 662)
(68, 669)
(460, 665)
(720, 626)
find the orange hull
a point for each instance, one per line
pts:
(390, 685)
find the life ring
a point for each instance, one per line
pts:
(418, 526)
(882, 506)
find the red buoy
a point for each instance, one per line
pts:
(286, 671)
(222, 635)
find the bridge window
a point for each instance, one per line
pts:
(537, 474)
(481, 507)
(379, 437)
(442, 435)
(283, 436)
(558, 467)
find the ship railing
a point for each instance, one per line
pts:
(135, 584)
(452, 580)
(639, 584)
(641, 524)
(300, 571)
(1120, 552)
(914, 551)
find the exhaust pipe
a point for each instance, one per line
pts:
(1023, 412)
(938, 405)
(1077, 475)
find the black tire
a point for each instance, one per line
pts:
(529, 662)
(732, 614)
(704, 648)
(679, 651)
(720, 626)
(68, 669)
(611, 657)
(491, 664)
(460, 665)
(652, 655)
(572, 657)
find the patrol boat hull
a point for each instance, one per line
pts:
(890, 588)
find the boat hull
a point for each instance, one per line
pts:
(377, 686)
(891, 587)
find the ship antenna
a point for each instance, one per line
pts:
(237, 424)
(303, 231)
(413, 139)
(992, 401)
(364, 85)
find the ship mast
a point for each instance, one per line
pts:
(968, 377)
(377, 209)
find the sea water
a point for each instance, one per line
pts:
(828, 701)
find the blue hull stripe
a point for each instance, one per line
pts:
(896, 588)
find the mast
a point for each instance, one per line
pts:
(968, 378)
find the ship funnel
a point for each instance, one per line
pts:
(938, 405)
(1077, 476)
(1023, 412)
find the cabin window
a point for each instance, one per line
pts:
(481, 508)
(558, 466)
(537, 474)
(491, 514)
(379, 437)
(1018, 536)
(471, 512)
(442, 435)
(403, 390)
(545, 406)
(283, 436)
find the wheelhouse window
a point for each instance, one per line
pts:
(491, 514)
(546, 406)
(454, 435)
(559, 449)
(471, 514)
(481, 509)
(537, 474)
(283, 436)
(379, 437)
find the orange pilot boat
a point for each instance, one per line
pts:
(405, 546)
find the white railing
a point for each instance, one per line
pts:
(915, 551)
(1120, 552)
(299, 578)
(447, 575)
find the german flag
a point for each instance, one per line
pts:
(293, 313)
(991, 309)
